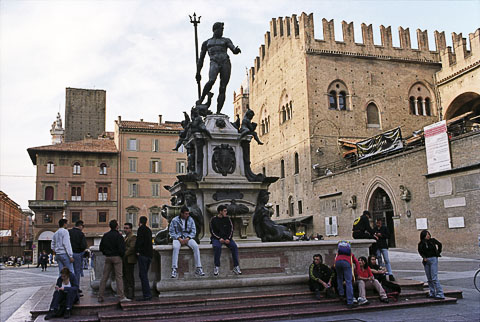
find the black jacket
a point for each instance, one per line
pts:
(143, 245)
(77, 240)
(363, 225)
(221, 228)
(430, 248)
(319, 272)
(382, 242)
(112, 244)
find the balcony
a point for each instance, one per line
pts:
(37, 205)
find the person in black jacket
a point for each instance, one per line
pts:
(430, 249)
(43, 260)
(112, 246)
(221, 229)
(65, 295)
(79, 244)
(320, 276)
(381, 234)
(144, 250)
(362, 228)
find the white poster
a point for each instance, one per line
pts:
(422, 223)
(437, 147)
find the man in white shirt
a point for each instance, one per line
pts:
(62, 247)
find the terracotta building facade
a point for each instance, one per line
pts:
(14, 227)
(147, 164)
(77, 181)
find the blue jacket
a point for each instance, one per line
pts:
(177, 228)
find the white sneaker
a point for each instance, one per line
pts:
(362, 301)
(125, 300)
(216, 270)
(199, 272)
(237, 270)
(174, 273)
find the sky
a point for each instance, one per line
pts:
(143, 54)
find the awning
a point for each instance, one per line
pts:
(293, 220)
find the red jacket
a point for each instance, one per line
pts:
(349, 259)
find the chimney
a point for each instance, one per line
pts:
(141, 120)
(119, 119)
(160, 119)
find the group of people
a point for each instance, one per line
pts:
(347, 272)
(69, 247)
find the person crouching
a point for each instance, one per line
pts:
(65, 295)
(320, 277)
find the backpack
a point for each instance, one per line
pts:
(344, 248)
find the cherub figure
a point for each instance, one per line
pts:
(197, 124)
(248, 127)
(183, 134)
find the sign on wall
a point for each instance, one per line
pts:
(437, 147)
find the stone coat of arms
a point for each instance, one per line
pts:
(223, 159)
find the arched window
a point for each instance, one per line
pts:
(373, 119)
(420, 100)
(297, 167)
(103, 168)
(282, 169)
(76, 193)
(427, 107)
(50, 167)
(332, 99)
(76, 168)
(342, 101)
(412, 105)
(337, 94)
(291, 206)
(49, 193)
(285, 107)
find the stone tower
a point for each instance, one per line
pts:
(84, 113)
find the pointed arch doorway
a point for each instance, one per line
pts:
(381, 207)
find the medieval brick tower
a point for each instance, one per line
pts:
(84, 113)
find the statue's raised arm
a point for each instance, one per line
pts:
(219, 63)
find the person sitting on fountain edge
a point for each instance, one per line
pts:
(221, 228)
(320, 277)
(182, 230)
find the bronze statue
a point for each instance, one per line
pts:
(195, 213)
(219, 63)
(248, 127)
(264, 226)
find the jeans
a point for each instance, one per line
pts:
(217, 250)
(431, 270)
(112, 263)
(78, 266)
(344, 271)
(143, 266)
(384, 252)
(69, 295)
(64, 261)
(196, 252)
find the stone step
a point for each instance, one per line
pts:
(289, 310)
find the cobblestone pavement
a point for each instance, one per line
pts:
(18, 284)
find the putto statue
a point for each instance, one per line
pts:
(265, 228)
(219, 63)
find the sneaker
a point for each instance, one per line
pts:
(391, 278)
(355, 301)
(199, 272)
(351, 306)
(174, 273)
(362, 301)
(384, 300)
(237, 270)
(124, 299)
(67, 314)
(216, 270)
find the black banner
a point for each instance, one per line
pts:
(379, 144)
